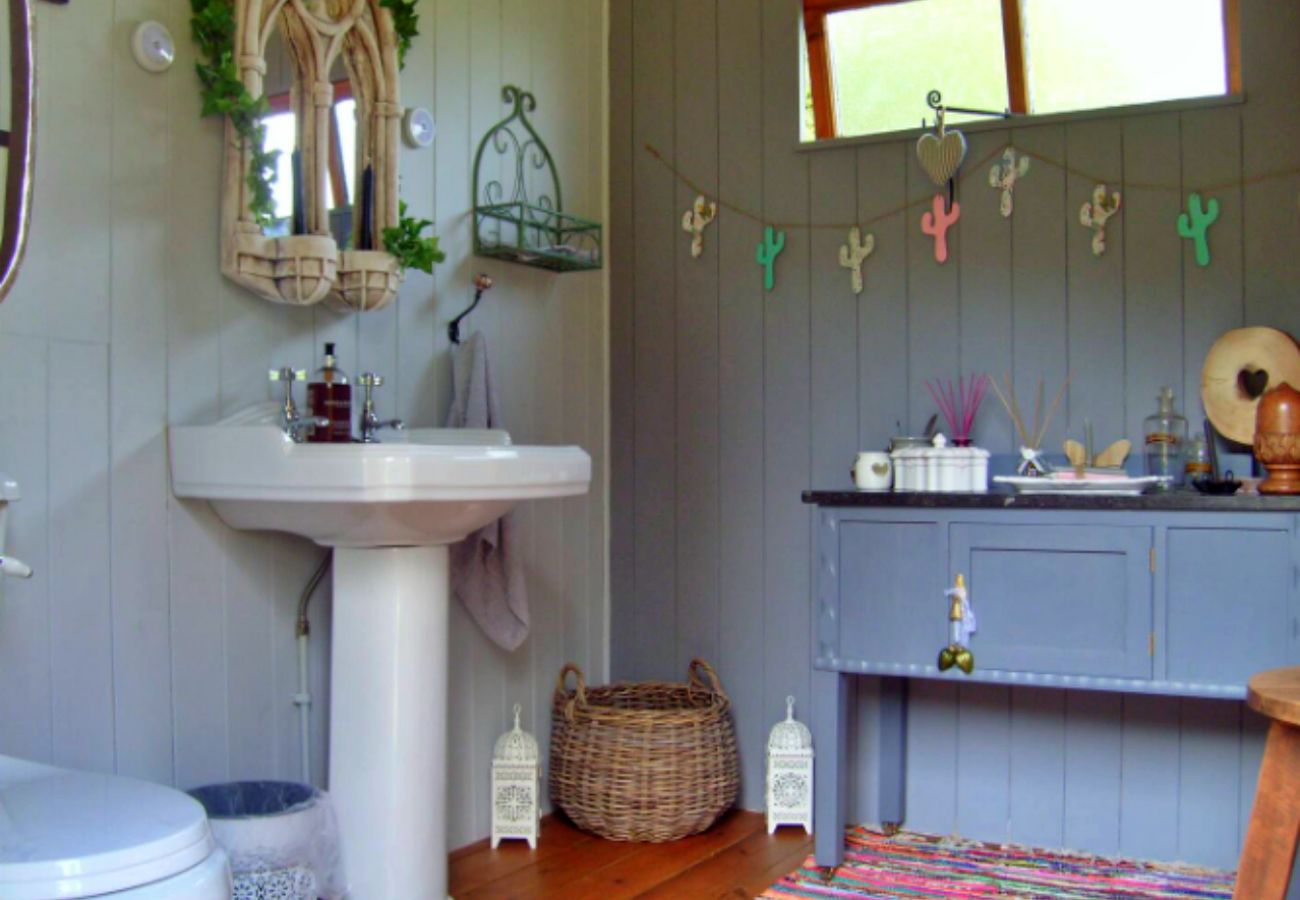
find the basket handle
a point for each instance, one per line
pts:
(698, 671)
(580, 688)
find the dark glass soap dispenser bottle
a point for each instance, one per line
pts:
(329, 395)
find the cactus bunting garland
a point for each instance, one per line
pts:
(771, 247)
(696, 219)
(1004, 175)
(1095, 214)
(854, 252)
(1194, 224)
(937, 223)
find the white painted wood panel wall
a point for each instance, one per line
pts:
(153, 640)
(728, 401)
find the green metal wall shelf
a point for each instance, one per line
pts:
(527, 225)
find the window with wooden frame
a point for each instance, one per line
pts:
(867, 65)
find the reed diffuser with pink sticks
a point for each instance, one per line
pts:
(959, 404)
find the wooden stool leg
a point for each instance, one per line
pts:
(1264, 870)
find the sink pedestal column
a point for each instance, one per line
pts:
(388, 719)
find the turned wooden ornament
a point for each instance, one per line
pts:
(1277, 439)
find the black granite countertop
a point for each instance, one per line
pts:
(1188, 500)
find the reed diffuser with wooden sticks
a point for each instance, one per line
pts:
(959, 404)
(1031, 437)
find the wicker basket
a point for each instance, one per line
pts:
(643, 761)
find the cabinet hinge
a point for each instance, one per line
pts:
(1152, 557)
(1151, 644)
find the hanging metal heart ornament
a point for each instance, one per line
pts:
(941, 153)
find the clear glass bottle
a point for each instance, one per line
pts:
(329, 396)
(1166, 439)
(1196, 463)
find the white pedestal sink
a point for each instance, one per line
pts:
(389, 510)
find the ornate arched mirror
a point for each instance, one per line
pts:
(17, 104)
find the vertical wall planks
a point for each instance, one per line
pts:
(1093, 768)
(1212, 295)
(787, 376)
(655, 354)
(198, 619)
(985, 271)
(933, 292)
(25, 689)
(984, 760)
(138, 404)
(1152, 266)
(740, 384)
(696, 128)
(1095, 287)
(882, 306)
(1037, 766)
(414, 381)
(81, 648)
(62, 300)
(1208, 795)
(1270, 123)
(1038, 326)
(621, 250)
(932, 755)
(835, 404)
(1149, 787)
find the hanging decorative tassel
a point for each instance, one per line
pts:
(961, 625)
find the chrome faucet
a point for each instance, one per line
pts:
(370, 421)
(295, 425)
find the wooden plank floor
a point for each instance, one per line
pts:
(735, 858)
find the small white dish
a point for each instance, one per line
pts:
(1115, 487)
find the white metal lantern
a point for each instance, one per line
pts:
(516, 784)
(789, 773)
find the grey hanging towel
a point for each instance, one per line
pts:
(486, 572)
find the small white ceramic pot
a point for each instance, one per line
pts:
(873, 471)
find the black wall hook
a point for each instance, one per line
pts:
(482, 282)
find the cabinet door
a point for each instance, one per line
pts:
(1228, 604)
(1058, 599)
(891, 594)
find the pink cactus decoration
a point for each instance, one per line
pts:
(937, 223)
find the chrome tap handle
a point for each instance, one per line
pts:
(370, 422)
(287, 376)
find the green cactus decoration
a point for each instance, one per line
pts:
(768, 251)
(1196, 222)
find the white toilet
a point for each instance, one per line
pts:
(67, 834)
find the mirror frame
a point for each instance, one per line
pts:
(21, 162)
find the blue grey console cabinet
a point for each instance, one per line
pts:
(1173, 594)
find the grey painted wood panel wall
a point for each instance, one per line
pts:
(155, 641)
(727, 400)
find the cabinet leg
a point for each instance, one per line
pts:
(892, 774)
(830, 710)
(1269, 853)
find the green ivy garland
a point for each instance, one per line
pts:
(405, 23)
(410, 249)
(213, 27)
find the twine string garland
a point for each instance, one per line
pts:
(967, 169)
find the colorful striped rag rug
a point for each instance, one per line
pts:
(926, 867)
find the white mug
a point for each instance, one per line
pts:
(873, 471)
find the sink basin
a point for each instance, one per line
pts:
(425, 487)
(389, 510)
